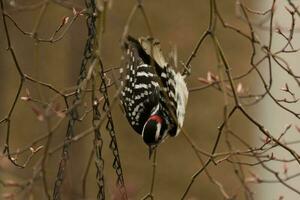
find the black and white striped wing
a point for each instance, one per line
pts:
(173, 83)
(140, 87)
(145, 85)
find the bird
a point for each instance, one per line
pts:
(154, 96)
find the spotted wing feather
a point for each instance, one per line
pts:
(139, 86)
(143, 82)
(173, 85)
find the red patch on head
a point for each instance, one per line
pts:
(157, 118)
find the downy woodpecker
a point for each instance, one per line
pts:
(153, 95)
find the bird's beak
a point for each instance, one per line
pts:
(151, 150)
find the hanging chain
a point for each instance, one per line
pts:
(98, 142)
(65, 156)
(88, 55)
(110, 128)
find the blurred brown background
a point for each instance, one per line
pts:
(173, 22)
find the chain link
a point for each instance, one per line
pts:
(98, 142)
(110, 128)
(88, 54)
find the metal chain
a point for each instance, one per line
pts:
(98, 142)
(110, 128)
(65, 156)
(88, 54)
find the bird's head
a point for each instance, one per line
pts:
(154, 129)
